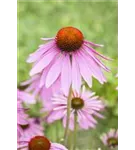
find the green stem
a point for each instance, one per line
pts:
(68, 116)
(75, 130)
(57, 131)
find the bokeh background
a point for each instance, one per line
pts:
(98, 22)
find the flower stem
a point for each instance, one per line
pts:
(68, 115)
(75, 130)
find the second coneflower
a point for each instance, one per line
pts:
(70, 58)
(84, 104)
(110, 138)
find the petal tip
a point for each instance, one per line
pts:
(101, 45)
(28, 60)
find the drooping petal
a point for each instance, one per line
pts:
(29, 81)
(54, 71)
(44, 62)
(93, 44)
(43, 49)
(56, 86)
(76, 76)
(71, 123)
(56, 115)
(86, 49)
(83, 123)
(97, 53)
(66, 75)
(94, 67)
(85, 72)
(25, 97)
(44, 74)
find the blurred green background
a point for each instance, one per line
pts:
(98, 22)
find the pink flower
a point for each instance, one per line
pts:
(68, 58)
(39, 143)
(36, 86)
(110, 139)
(31, 129)
(25, 97)
(84, 104)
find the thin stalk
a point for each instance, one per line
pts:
(75, 130)
(68, 116)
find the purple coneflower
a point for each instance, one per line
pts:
(84, 104)
(110, 139)
(70, 58)
(39, 143)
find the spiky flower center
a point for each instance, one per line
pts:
(112, 142)
(39, 143)
(69, 39)
(77, 103)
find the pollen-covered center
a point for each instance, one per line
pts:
(112, 142)
(39, 143)
(77, 103)
(69, 39)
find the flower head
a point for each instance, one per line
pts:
(70, 58)
(85, 104)
(39, 143)
(110, 139)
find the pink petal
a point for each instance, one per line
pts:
(27, 82)
(94, 67)
(84, 70)
(93, 44)
(56, 146)
(55, 115)
(71, 123)
(99, 115)
(44, 74)
(56, 86)
(36, 55)
(47, 39)
(31, 87)
(29, 99)
(76, 76)
(96, 59)
(26, 97)
(54, 72)
(97, 53)
(45, 61)
(66, 75)
(82, 121)
(21, 119)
